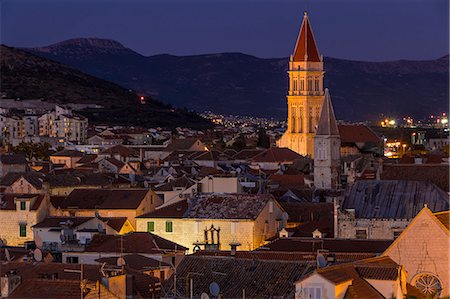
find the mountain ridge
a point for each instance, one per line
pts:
(237, 83)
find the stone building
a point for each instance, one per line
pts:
(18, 213)
(217, 221)
(327, 144)
(383, 209)
(305, 93)
(423, 251)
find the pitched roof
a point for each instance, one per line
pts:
(393, 199)
(277, 155)
(260, 278)
(54, 222)
(379, 268)
(296, 244)
(104, 198)
(212, 155)
(13, 159)
(182, 182)
(182, 144)
(7, 201)
(115, 222)
(68, 153)
(444, 218)
(228, 206)
(306, 48)
(115, 162)
(356, 133)
(247, 154)
(435, 173)
(286, 181)
(327, 122)
(175, 210)
(134, 261)
(119, 150)
(34, 178)
(135, 242)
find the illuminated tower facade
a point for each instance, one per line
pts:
(305, 94)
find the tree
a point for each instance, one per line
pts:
(37, 151)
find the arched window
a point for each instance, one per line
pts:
(428, 284)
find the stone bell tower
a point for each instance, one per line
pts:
(305, 94)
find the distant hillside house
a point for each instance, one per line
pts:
(383, 209)
(217, 221)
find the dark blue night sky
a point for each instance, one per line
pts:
(358, 29)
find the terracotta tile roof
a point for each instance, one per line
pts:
(135, 261)
(298, 244)
(56, 200)
(212, 155)
(135, 242)
(119, 150)
(228, 206)
(393, 199)
(182, 144)
(357, 133)
(247, 154)
(435, 173)
(380, 268)
(175, 210)
(13, 159)
(182, 182)
(115, 162)
(444, 218)
(87, 159)
(306, 44)
(277, 155)
(7, 201)
(34, 178)
(341, 257)
(115, 222)
(287, 181)
(46, 288)
(68, 153)
(259, 278)
(55, 222)
(93, 199)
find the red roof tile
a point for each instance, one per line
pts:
(306, 44)
(357, 133)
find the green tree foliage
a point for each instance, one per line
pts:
(37, 151)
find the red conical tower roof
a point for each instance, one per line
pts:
(306, 45)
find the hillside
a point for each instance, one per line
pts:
(243, 84)
(26, 76)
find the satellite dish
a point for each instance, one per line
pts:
(97, 214)
(214, 289)
(204, 296)
(69, 223)
(121, 262)
(238, 170)
(100, 228)
(7, 255)
(285, 216)
(321, 261)
(62, 238)
(37, 254)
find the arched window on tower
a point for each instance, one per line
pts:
(300, 121)
(302, 85)
(309, 85)
(293, 119)
(316, 85)
(310, 120)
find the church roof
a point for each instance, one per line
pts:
(327, 122)
(306, 48)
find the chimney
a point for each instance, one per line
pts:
(9, 283)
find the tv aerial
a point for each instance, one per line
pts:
(121, 262)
